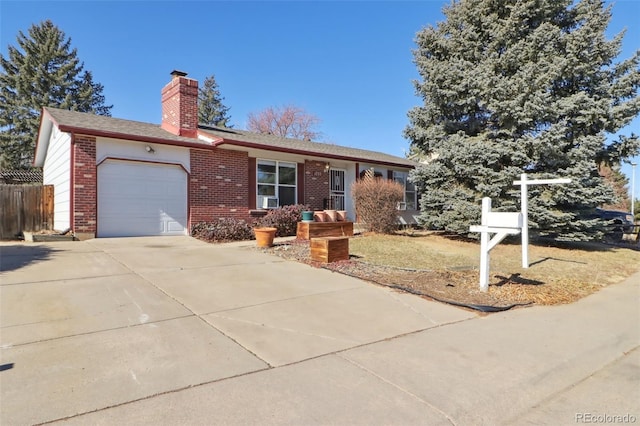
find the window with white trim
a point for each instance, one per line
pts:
(409, 189)
(276, 179)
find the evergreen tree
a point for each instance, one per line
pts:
(619, 183)
(42, 70)
(515, 86)
(211, 110)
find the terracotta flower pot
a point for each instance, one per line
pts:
(342, 215)
(265, 236)
(319, 216)
(332, 215)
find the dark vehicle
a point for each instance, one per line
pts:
(618, 223)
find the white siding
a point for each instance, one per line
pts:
(119, 149)
(57, 172)
(349, 178)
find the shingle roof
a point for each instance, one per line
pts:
(276, 143)
(115, 127)
(91, 123)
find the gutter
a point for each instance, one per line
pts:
(135, 138)
(304, 152)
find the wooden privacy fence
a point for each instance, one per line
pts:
(25, 208)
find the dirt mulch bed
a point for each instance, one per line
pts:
(458, 288)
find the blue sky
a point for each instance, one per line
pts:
(348, 62)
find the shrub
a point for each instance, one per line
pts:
(285, 219)
(223, 229)
(376, 202)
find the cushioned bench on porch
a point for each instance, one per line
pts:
(308, 230)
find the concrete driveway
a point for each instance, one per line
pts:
(176, 331)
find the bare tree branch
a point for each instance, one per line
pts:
(289, 121)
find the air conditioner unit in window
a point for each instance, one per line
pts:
(269, 202)
(401, 206)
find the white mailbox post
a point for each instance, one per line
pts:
(502, 224)
(524, 208)
(499, 223)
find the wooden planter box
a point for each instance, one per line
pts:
(329, 249)
(308, 230)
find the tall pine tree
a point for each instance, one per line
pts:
(42, 70)
(620, 185)
(211, 110)
(515, 86)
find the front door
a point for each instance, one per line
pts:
(337, 189)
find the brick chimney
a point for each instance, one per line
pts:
(180, 105)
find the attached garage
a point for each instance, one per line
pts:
(139, 198)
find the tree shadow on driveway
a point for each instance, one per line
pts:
(16, 256)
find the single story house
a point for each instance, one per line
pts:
(115, 177)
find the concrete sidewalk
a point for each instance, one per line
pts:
(175, 331)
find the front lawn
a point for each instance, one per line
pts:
(446, 269)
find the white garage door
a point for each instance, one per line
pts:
(136, 199)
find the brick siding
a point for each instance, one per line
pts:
(218, 185)
(316, 184)
(84, 185)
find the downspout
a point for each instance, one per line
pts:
(355, 211)
(188, 197)
(301, 184)
(72, 194)
(95, 176)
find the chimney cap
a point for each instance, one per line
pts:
(177, 73)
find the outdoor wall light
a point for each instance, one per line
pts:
(327, 167)
(149, 149)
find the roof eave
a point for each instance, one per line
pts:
(42, 141)
(307, 152)
(136, 138)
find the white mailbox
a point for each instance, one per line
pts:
(503, 219)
